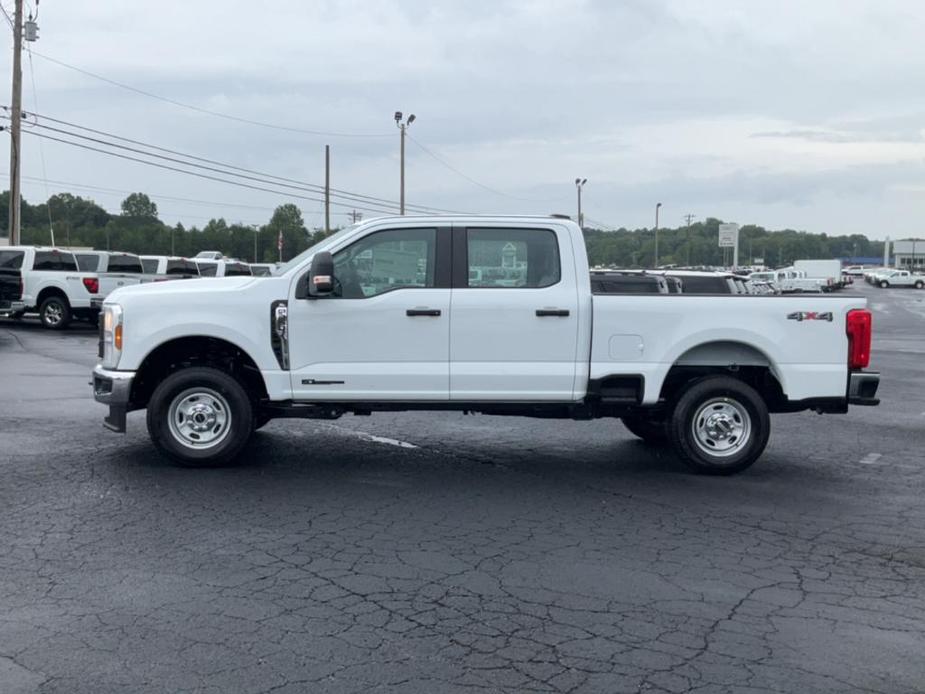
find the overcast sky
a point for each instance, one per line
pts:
(807, 114)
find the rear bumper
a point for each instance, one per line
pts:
(96, 303)
(862, 388)
(113, 388)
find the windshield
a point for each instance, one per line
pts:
(311, 250)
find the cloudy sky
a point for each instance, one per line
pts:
(804, 114)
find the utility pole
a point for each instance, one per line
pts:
(355, 216)
(327, 190)
(16, 125)
(657, 206)
(256, 231)
(689, 217)
(403, 127)
(579, 184)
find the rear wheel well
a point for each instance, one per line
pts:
(758, 377)
(49, 292)
(196, 350)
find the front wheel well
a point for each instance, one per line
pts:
(197, 350)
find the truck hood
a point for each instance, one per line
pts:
(183, 288)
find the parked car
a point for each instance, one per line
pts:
(363, 321)
(222, 268)
(169, 267)
(789, 281)
(901, 278)
(854, 271)
(617, 282)
(53, 285)
(114, 270)
(706, 281)
(11, 285)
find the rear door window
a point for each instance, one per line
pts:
(11, 260)
(88, 262)
(55, 261)
(181, 267)
(208, 269)
(515, 258)
(237, 269)
(125, 263)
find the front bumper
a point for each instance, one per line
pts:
(113, 388)
(862, 388)
(8, 307)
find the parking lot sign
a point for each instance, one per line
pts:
(728, 235)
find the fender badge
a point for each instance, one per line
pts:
(811, 315)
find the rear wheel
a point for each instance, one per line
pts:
(920, 285)
(649, 430)
(200, 417)
(884, 284)
(719, 425)
(55, 313)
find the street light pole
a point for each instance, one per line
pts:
(579, 184)
(657, 206)
(403, 127)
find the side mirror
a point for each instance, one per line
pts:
(321, 275)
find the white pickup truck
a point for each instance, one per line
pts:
(900, 278)
(53, 285)
(491, 315)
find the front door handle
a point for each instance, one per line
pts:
(422, 312)
(557, 312)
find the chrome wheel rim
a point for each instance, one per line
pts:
(53, 313)
(722, 427)
(199, 418)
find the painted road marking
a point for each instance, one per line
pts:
(870, 458)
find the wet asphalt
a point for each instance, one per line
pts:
(437, 552)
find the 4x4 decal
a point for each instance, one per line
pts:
(811, 315)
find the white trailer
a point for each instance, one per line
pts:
(829, 271)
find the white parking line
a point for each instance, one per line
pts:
(371, 437)
(870, 458)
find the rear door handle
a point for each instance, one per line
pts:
(422, 312)
(557, 312)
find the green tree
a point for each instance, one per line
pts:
(139, 206)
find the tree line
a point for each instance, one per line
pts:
(80, 221)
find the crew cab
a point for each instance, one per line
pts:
(53, 285)
(222, 267)
(491, 315)
(900, 278)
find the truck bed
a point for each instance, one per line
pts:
(801, 338)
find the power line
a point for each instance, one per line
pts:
(209, 112)
(282, 179)
(201, 175)
(473, 181)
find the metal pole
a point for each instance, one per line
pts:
(688, 217)
(579, 207)
(656, 234)
(402, 127)
(171, 241)
(15, 126)
(327, 189)
(256, 231)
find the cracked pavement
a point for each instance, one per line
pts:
(495, 555)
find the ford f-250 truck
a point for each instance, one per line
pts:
(491, 315)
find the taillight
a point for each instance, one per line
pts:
(92, 284)
(859, 329)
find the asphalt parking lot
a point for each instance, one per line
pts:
(446, 553)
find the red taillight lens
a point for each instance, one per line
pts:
(92, 284)
(860, 329)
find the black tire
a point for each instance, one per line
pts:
(173, 409)
(920, 285)
(884, 284)
(55, 313)
(649, 430)
(734, 407)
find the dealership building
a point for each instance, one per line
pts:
(909, 253)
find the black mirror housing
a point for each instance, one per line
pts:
(321, 276)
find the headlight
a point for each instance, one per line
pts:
(112, 335)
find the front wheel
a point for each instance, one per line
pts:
(719, 426)
(55, 313)
(200, 417)
(920, 285)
